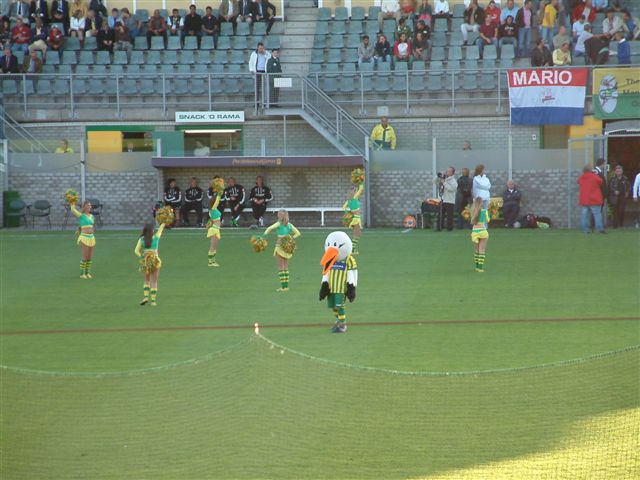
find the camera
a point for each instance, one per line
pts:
(441, 175)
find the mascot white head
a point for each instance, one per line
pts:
(337, 247)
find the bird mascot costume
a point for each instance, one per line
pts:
(339, 276)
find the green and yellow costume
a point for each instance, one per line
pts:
(141, 251)
(353, 206)
(85, 237)
(213, 229)
(478, 233)
(337, 279)
(283, 231)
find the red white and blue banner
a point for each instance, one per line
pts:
(547, 96)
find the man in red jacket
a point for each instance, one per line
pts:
(589, 186)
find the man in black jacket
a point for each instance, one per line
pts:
(463, 197)
(511, 204)
(234, 196)
(60, 13)
(264, 11)
(192, 201)
(192, 25)
(260, 196)
(98, 7)
(541, 56)
(8, 62)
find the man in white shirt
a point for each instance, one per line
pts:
(201, 150)
(578, 27)
(612, 24)
(636, 194)
(258, 66)
(388, 9)
(441, 10)
(586, 34)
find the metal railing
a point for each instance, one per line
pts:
(11, 125)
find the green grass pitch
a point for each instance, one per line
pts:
(433, 379)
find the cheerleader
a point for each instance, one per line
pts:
(353, 206)
(86, 239)
(479, 234)
(284, 229)
(148, 244)
(213, 230)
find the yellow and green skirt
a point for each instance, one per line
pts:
(355, 221)
(213, 231)
(87, 239)
(279, 251)
(477, 235)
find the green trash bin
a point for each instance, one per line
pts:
(8, 197)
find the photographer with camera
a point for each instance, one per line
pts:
(448, 187)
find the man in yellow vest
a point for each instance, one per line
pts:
(383, 136)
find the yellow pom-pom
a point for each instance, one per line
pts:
(259, 244)
(217, 185)
(347, 218)
(466, 213)
(165, 215)
(71, 196)
(288, 244)
(357, 176)
(149, 263)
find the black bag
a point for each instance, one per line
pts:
(529, 221)
(546, 220)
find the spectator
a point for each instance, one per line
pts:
(402, 51)
(60, 14)
(265, 11)
(32, 63)
(106, 38)
(5, 32)
(636, 194)
(425, 12)
(234, 196)
(463, 195)
(619, 190)
(402, 28)
(173, 198)
(425, 30)
(211, 26)
(511, 204)
(365, 51)
(562, 55)
(510, 9)
(466, 146)
(113, 18)
(420, 48)
(561, 37)
(201, 150)
(549, 18)
(488, 36)
(274, 69)
(493, 12)
(624, 49)
(92, 24)
(76, 28)
(586, 34)
(258, 66)
(473, 19)
(133, 26)
(508, 33)
(131, 148)
(600, 170)
(23, 9)
(260, 196)
(617, 5)
(600, 5)
(382, 50)
(586, 10)
(578, 27)
(80, 5)
(39, 35)
(98, 7)
(481, 185)
(228, 12)
(408, 9)
(591, 199)
(388, 9)
(441, 10)
(122, 37)
(39, 9)
(631, 26)
(176, 22)
(383, 137)
(64, 147)
(246, 11)
(192, 25)
(524, 22)
(56, 41)
(612, 24)
(448, 186)
(596, 49)
(541, 56)
(192, 201)
(20, 37)
(157, 27)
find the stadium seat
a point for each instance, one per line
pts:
(226, 29)
(349, 68)
(490, 52)
(133, 70)
(317, 56)
(384, 68)
(373, 12)
(61, 87)
(231, 86)
(381, 85)
(336, 41)
(456, 23)
(86, 58)
(273, 41)
(47, 68)
(239, 43)
(102, 57)
(346, 84)
(120, 57)
(174, 42)
(437, 53)
(507, 52)
(90, 43)
(329, 85)
(237, 56)
(142, 14)
(95, 86)
(401, 66)
(469, 82)
(198, 86)
(187, 57)
(129, 87)
(259, 29)
(471, 65)
(471, 53)
(54, 59)
(439, 39)
(153, 57)
(137, 57)
(355, 27)
(324, 14)
(353, 40)
(9, 87)
(488, 81)
(164, 13)
(217, 68)
(368, 67)
(322, 28)
(453, 64)
(455, 53)
(456, 41)
(147, 86)
(190, 43)
(399, 83)
(319, 41)
(341, 13)
(436, 67)
(170, 57)
(184, 70)
(388, 27)
(508, 63)
(206, 43)
(440, 25)
(157, 43)
(181, 86)
(338, 27)
(458, 11)
(416, 82)
(83, 70)
(201, 68)
(224, 43)
(366, 83)
(140, 43)
(248, 86)
(357, 14)
(217, 85)
(334, 56)
(116, 69)
(71, 43)
(242, 29)
(331, 70)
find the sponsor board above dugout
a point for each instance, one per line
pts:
(616, 93)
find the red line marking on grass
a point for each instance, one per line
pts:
(311, 325)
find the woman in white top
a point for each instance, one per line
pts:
(481, 186)
(77, 25)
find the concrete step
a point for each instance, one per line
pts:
(300, 4)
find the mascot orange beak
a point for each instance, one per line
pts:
(328, 259)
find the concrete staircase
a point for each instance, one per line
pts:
(297, 41)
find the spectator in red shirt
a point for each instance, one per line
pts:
(20, 36)
(589, 186)
(586, 9)
(56, 40)
(493, 13)
(488, 36)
